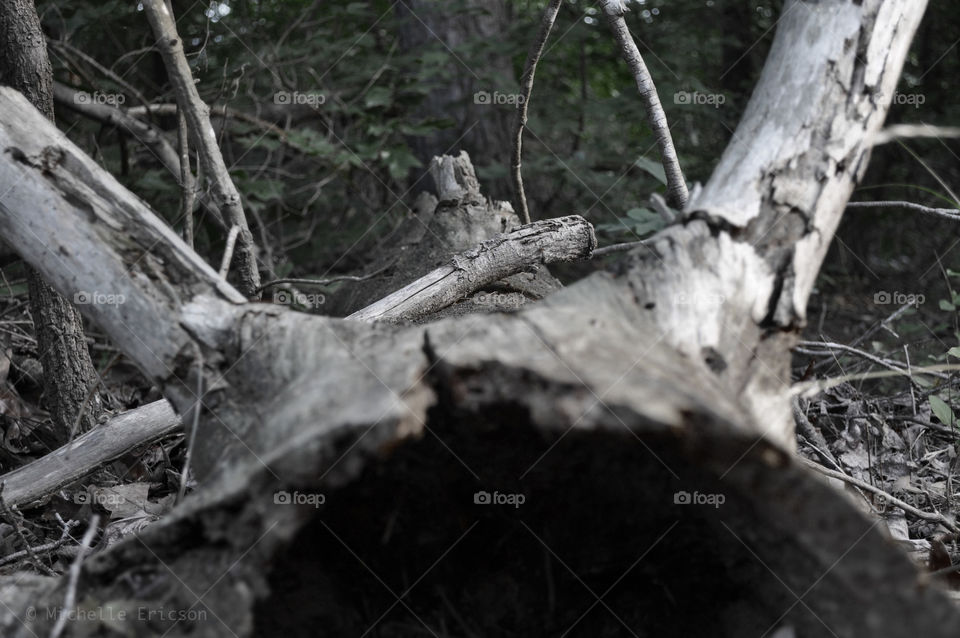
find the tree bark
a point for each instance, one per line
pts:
(70, 379)
(481, 129)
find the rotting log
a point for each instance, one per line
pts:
(638, 413)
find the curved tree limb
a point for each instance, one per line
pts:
(677, 193)
(533, 57)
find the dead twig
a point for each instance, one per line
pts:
(70, 597)
(906, 507)
(533, 57)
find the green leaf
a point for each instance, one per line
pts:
(310, 142)
(954, 352)
(377, 96)
(942, 411)
(652, 167)
(641, 214)
(399, 162)
(264, 189)
(946, 305)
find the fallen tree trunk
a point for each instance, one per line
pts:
(617, 449)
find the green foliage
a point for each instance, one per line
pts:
(942, 410)
(347, 163)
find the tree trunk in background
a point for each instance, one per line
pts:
(483, 130)
(737, 73)
(69, 375)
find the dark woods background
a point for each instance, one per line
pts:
(352, 99)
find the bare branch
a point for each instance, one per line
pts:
(911, 131)
(147, 134)
(197, 114)
(676, 187)
(536, 50)
(893, 500)
(946, 213)
(89, 452)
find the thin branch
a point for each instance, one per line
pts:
(71, 595)
(616, 248)
(324, 282)
(66, 48)
(946, 213)
(219, 110)
(911, 131)
(88, 452)
(39, 549)
(147, 134)
(803, 347)
(197, 114)
(561, 239)
(228, 251)
(188, 186)
(677, 193)
(185, 472)
(906, 507)
(533, 56)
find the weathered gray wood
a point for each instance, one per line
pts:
(89, 452)
(545, 242)
(459, 219)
